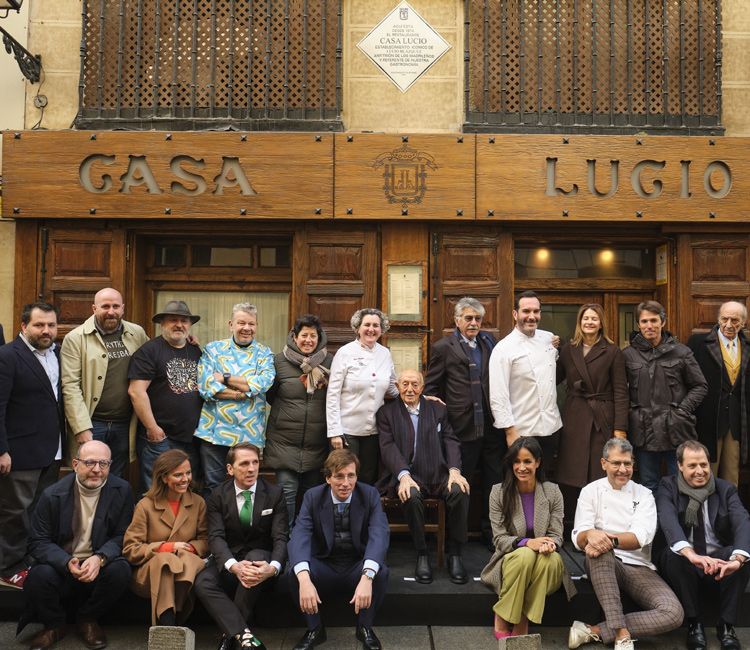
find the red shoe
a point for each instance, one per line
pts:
(16, 580)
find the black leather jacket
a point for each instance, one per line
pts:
(666, 386)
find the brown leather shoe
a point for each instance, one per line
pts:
(47, 638)
(92, 635)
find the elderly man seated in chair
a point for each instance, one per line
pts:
(422, 459)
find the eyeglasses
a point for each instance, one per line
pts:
(627, 464)
(103, 464)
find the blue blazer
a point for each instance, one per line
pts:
(312, 535)
(31, 418)
(729, 519)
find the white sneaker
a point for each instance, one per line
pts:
(625, 644)
(581, 633)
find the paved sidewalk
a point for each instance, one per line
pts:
(340, 638)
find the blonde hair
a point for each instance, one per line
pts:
(599, 311)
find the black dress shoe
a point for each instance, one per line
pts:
(456, 570)
(227, 643)
(727, 637)
(368, 638)
(311, 638)
(696, 637)
(423, 572)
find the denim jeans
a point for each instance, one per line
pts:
(648, 464)
(214, 460)
(115, 434)
(149, 451)
(291, 482)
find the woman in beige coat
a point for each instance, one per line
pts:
(167, 539)
(526, 513)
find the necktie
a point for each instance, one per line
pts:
(732, 350)
(699, 534)
(341, 507)
(246, 512)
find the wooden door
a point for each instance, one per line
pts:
(66, 266)
(712, 270)
(476, 263)
(336, 272)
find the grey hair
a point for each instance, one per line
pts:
(360, 314)
(467, 302)
(619, 444)
(247, 307)
(741, 305)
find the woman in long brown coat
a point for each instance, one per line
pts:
(596, 402)
(167, 539)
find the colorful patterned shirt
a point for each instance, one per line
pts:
(227, 422)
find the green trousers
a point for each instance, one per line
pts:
(528, 578)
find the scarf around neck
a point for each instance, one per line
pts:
(314, 375)
(696, 497)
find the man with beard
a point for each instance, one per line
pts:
(94, 358)
(163, 376)
(523, 381)
(76, 542)
(666, 386)
(31, 426)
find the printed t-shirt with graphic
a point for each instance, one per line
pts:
(173, 392)
(114, 403)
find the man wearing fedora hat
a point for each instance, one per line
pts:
(163, 387)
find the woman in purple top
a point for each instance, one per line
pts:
(526, 513)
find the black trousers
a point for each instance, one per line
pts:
(341, 581)
(214, 585)
(52, 594)
(457, 513)
(688, 582)
(486, 454)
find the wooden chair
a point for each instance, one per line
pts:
(434, 522)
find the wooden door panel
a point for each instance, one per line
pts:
(335, 273)
(76, 263)
(477, 264)
(712, 270)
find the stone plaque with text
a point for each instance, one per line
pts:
(403, 46)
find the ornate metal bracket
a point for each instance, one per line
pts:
(29, 64)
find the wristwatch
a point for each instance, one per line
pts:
(739, 558)
(616, 542)
(227, 376)
(102, 559)
(369, 574)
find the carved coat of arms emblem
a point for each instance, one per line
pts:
(405, 173)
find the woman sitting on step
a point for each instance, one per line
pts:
(526, 513)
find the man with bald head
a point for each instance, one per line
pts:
(421, 457)
(76, 542)
(95, 359)
(724, 359)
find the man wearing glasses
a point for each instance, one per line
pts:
(614, 526)
(76, 542)
(458, 374)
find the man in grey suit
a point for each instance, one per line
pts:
(422, 459)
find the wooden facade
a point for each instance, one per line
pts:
(347, 209)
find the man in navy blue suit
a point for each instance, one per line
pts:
(338, 545)
(31, 426)
(708, 535)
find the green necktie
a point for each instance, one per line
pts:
(246, 512)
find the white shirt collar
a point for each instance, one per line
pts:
(238, 490)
